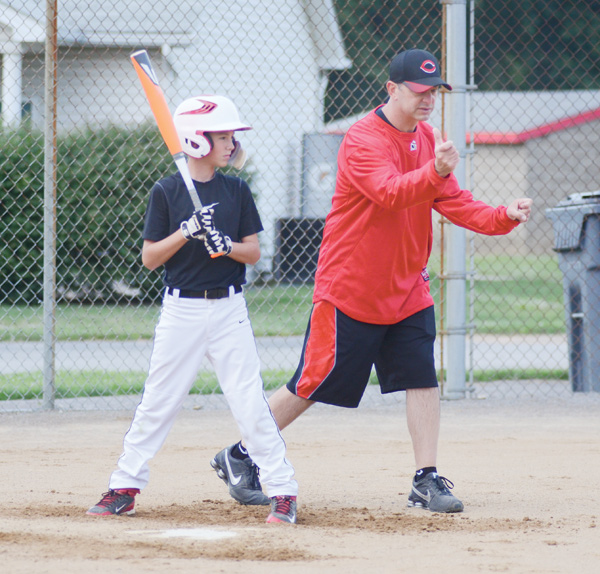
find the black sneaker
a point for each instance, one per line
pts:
(120, 501)
(241, 477)
(283, 509)
(433, 492)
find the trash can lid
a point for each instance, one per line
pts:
(569, 216)
(583, 198)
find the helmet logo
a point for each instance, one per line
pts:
(428, 67)
(205, 108)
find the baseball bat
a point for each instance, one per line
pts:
(164, 120)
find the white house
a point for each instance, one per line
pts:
(18, 31)
(270, 56)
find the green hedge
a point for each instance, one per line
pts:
(103, 180)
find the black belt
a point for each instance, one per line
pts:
(218, 293)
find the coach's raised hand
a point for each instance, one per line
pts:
(197, 226)
(446, 155)
(520, 209)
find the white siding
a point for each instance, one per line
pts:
(260, 53)
(264, 61)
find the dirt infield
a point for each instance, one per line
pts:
(527, 471)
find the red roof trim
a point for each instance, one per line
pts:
(495, 138)
(512, 138)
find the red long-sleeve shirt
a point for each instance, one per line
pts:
(378, 234)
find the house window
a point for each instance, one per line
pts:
(26, 108)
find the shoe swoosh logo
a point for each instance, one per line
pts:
(232, 477)
(119, 508)
(426, 497)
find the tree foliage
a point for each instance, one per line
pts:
(519, 45)
(373, 32)
(538, 45)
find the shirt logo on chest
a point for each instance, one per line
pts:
(413, 145)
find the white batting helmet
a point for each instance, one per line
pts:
(196, 117)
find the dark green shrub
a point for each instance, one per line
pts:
(104, 178)
(103, 181)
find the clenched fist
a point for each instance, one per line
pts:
(446, 155)
(520, 209)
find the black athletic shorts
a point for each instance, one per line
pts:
(339, 353)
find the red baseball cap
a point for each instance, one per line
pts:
(419, 69)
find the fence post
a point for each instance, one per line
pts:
(455, 277)
(51, 64)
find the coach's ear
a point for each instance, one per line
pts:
(393, 90)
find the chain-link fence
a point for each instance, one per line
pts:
(300, 72)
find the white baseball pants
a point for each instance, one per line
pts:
(188, 330)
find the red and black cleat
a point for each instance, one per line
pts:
(120, 501)
(283, 509)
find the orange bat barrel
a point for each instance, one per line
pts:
(157, 100)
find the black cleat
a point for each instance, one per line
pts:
(241, 477)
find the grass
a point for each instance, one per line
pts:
(520, 375)
(519, 295)
(280, 311)
(80, 322)
(74, 384)
(513, 295)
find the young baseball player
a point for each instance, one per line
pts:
(204, 313)
(371, 303)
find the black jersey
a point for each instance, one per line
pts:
(235, 215)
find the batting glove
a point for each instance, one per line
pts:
(217, 243)
(197, 226)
